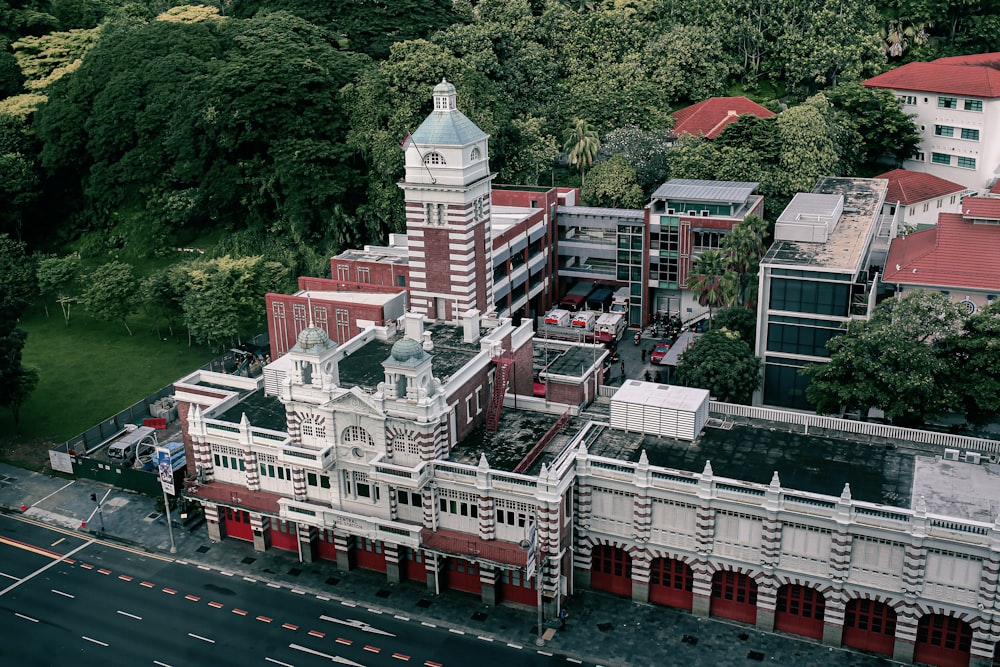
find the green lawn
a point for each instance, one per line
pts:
(91, 370)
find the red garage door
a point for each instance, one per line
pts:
(237, 524)
(461, 575)
(326, 547)
(368, 554)
(671, 582)
(944, 641)
(800, 611)
(870, 626)
(611, 570)
(734, 596)
(413, 565)
(283, 535)
(513, 586)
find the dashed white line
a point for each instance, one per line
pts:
(27, 618)
(426, 624)
(457, 632)
(374, 611)
(204, 567)
(273, 585)
(323, 598)
(400, 618)
(160, 664)
(95, 641)
(348, 604)
(9, 576)
(204, 639)
(250, 579)
(181, 562)
(574, 661)
(65, 595)
(485, 639)
(517, 646)
(277, 662)
(545, 653)
(225, 574)
(298, 592)
(125, 613)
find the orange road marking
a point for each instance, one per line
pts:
(87, 566)
(373, 649)
(147, 584)
(289, 626)
(124, 577)
(345, 642)
(193, 598)
(316, 633)
(400, 656)
(217, 605)
(265, 619)
(240, 612)
(432, 664)
(169, 591)
(103, 571)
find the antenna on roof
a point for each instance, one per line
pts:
(309, 305)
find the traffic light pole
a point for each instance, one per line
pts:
(100, 510)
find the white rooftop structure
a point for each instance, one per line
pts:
(660, 409)
(809, 217)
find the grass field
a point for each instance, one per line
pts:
(90, 370)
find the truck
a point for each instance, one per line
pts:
(584, 319)
(576, 297)
(600, 300)
(558, 318)
(619, 302)
(609, 327)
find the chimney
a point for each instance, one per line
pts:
(470, 326)
(413, 326)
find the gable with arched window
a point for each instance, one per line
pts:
(434, 158)
(356, 436)
(476, 154)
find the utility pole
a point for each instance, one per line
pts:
(100, 510)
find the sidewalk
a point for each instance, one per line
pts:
(601, 628)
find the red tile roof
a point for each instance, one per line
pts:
(955, 254)
(995, 190)
(987, 208)
(911, 187)
(976, 75)
(710, 117)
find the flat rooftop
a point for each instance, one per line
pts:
(957, 489)
(380, 254)
(262, 411)
(503, 218)
(369, 298)
(847, 245)
(693, 190)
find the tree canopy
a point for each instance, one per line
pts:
(723, 363)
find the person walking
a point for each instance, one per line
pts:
(623, 371)
(643, 354)
(563, 615)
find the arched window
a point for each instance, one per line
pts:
(476, 155)
(434, 158)
(356, 436)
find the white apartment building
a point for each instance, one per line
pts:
(956, 106)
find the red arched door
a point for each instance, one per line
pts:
(870, 626)
(734, 596)
(800, 611)
(671, 582)
(237, 523)
(943, 641)
(461, 575)
(611, 570)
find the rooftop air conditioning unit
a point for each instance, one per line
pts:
(973, 457)
(950, 455)
(705, 212)
(671, 211)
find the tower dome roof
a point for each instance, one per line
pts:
(313, 339)
(446, 125)
(406, 349)
(444, 88)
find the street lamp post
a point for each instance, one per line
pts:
(100, 511)
(533, 566)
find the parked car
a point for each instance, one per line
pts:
(660, 351)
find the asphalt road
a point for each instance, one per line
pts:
(68, 600)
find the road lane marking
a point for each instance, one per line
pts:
(298, 592)
(104, 572)
(125, 613)
(93, 640)
(27, 618)
(204, 639)
(273, 585)
(348, 604)
(9, 541)
(160, 664)
(204, 567)
(124, 577)
(457, 632)
(372, 649)
(61, 539)
(225, 574)
(485, 639)
(39, 502)
(358, 625)
(332, 658)
(40, 570)
(65, 595)
(170, 591)
(400, 618)
(517, 646)
(240, 612)
(193, 598)
(400, 656)
(289, 626)
(264, 619)
(574, 661)
(277, 662)
(323, 598)
(429, 625)
(250, 579)
(430, 663)
(317, 634)
(86, 566)
(146, 584)
(9, 576)
(345, 642)
(216, 605)
(373, 611)
(545, 653)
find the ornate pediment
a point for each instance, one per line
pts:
(357, 401)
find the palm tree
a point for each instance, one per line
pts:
(744, 246)
(712, 280)
(581, 145)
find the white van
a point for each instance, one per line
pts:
(123, 450)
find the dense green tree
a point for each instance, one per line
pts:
(16, 381)
(537, 153)
(646, 151)
(890, 362)
(808, 149)
(18, 284)
(46, 58)
(872, 125)
(613, 184)
(739, 319)
(111, 293)
(723, 363)
(56, 276)
(972, 358)
(690, 63)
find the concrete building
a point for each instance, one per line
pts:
(821, 272)
(921, 197)
(956, 104)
